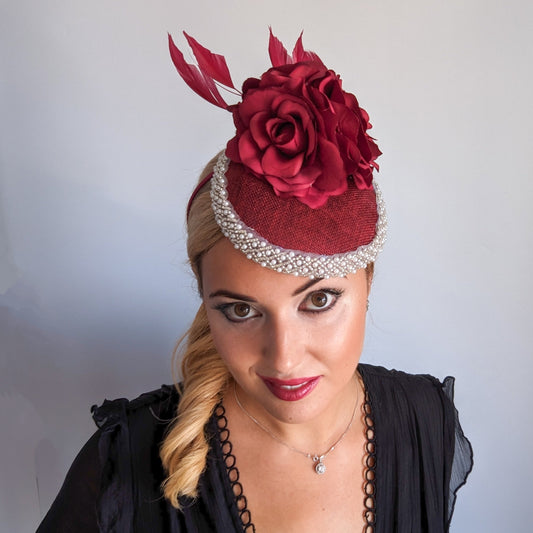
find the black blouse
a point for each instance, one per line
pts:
(421, 459)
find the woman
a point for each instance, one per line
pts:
(278, 426)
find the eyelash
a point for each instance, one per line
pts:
(226, 308)
(335, 293)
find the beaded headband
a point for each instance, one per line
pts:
(294, 189)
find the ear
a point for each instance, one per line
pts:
(369, 276)
(369, 285)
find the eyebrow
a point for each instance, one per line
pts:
(305, 286)
(234, 295)
(237, 296)
(244, 298)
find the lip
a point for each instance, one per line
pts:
(291, 390)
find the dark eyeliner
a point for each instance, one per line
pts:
(223, 308)
(334, 292)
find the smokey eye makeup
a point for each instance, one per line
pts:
(321, 300)
(317, 301)
(237, 311)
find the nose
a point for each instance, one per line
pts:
(284, 346)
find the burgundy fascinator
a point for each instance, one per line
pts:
(294, 190)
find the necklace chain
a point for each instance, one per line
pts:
(318, 459)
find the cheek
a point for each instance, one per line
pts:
(223, 337)
(343, 336)
(234, 346)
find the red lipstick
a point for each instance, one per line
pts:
(291, 390)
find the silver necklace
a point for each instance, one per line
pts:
(317, 458)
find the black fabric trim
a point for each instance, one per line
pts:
(231, 467)
(370, 459)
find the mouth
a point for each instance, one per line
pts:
(291, 390)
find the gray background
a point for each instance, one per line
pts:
(101, 144)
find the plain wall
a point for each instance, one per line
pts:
(100, 146)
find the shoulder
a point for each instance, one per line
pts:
(158, 406)
(398, 398)
(118, 470)
(380, 380)
(131, 432)
(398, 377)
(412, 410)
(115, 480)
(418, 437)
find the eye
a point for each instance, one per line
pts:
(241, 310)
(322, 300)
(319, 299)
(237, 311)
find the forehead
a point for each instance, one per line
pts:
(224, 267)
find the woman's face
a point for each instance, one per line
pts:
(292, 344)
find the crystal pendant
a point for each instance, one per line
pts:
(320, 467)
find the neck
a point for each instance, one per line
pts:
(310, 431)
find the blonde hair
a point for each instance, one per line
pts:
(205, 376)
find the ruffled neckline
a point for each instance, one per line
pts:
(233, 475)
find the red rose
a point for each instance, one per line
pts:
(301, 132)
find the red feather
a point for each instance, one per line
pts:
(212, 65)
(300, 54)
(201, 83)
(277, 52)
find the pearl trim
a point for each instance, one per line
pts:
(293, 262)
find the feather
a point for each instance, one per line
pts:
(300, 54)
(200, 82)
(277, 52)
(212, 65)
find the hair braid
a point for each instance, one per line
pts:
(205, 376)
(185, 447)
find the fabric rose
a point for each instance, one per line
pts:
(297, 129)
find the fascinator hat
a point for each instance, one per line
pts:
(294, 189)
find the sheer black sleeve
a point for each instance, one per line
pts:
(422, 455)
(463, 460)
(74, 508)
